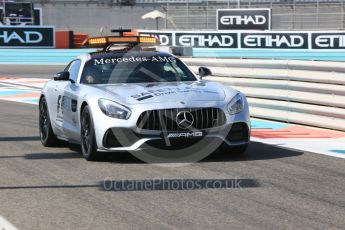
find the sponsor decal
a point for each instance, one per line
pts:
(257, 39)
(60, 104)
(328, 40)
(244, 19)
(196, 39)
(105, 61)
(166, 91)
(275, 40)
(27, 37)
(211, 40)
(185, 135)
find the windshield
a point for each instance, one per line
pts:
(135, 69)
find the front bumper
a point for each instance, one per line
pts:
(124, 139)
(132, 138)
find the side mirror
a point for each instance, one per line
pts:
(62, 76)
(204, 71)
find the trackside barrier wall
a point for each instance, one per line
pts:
(303, 92)
(40, 56)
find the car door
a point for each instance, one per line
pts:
(57, 101)
(70, 99)
(51, 95)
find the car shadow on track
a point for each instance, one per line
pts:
(52, 156)
(255, 151)
(15, 139)
(45, 156)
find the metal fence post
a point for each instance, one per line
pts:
(342, 14)
(187, 12)
(293, 14)
(317, 13)
(166, 16)
(206, 14)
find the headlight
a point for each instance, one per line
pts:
(113, 109)
(236, 104)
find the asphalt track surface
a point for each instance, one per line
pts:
(55, 188)
(31, 71)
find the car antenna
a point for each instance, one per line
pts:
(120, 31)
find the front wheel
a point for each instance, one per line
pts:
(88, 137)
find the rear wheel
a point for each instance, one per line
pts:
(88, 137)
(47, 135)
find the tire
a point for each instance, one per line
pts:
(87, 135)
(47, 136)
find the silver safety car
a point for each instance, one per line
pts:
(130, 97)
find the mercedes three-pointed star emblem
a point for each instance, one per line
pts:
(184, 119)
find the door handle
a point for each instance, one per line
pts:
(56, 89)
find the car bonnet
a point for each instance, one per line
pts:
(142, 93)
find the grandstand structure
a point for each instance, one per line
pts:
(94, 17)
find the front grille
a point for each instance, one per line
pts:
(165, 119)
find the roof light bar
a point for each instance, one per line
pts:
(104, 42)
(97, 41)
